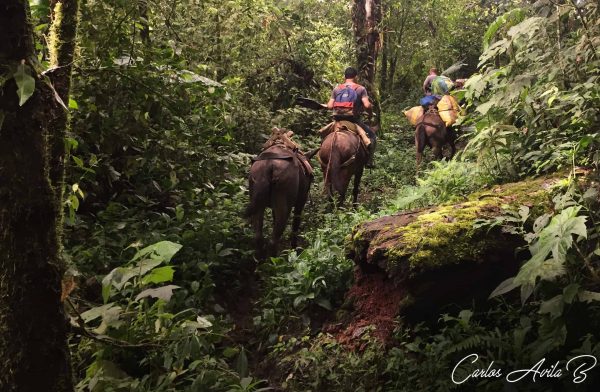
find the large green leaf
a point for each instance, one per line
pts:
(504, 287)
(163, 251)
(529, 26)
(589, 296)
(159, 275)
(485, 107)
(121, 275)
(100, 311)
(25, 83)
(506, 20)
(554, 241)
(164, 293)
(149, 258)
(553, 306)
(241, 363)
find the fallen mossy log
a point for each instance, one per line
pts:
(443, 255)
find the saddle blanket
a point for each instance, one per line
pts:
(286, 154)
(343, 125)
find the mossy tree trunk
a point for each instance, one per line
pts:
(383, 74)
(366, 20)
(33, 327)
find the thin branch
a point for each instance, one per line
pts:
(84, 331)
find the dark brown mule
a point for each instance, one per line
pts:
(278, 181)
(431, 131)
(342, 156)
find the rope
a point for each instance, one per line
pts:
(428, 124)
(329, 160)
(434, 112)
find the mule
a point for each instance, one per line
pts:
(277, 181)
(342, 156)
(432, 131)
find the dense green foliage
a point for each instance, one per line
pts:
(424, 34)
(171, 99)
(537, 92)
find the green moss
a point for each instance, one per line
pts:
(54, 34)
(448, 236)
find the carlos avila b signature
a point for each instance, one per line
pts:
(578, 367)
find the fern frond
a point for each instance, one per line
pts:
(466, 344)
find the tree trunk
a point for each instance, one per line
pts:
(384, 54)
(384, 67)
(397, 42)
(33, 327)
(392, 73)
(366, 18)
(143, 15)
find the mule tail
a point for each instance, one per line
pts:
(259, 194)
(420, 137)
(420, 140)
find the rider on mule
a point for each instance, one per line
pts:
(348, 101)
(433, 73)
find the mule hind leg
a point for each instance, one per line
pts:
(282, 208)
(420, 141)
(298, 208)
(437, 152)
(340, 185)
(257, 219)
(357, 178)
(259, 192)
(451, 141)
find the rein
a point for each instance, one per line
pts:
(329, 159)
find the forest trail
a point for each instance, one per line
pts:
(126, 134)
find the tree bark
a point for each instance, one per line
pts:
(33, 327)
(143, 15)
(384, 67)
(392, 73)
(396, 40)
(64, 16)
(366, 20)
(384, 52)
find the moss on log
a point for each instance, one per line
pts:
(441, 255)
(426, 240)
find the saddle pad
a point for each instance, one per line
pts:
(356, 129)
(302, 162)
(265, 156)
(346, 125)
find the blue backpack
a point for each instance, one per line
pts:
(345, 99)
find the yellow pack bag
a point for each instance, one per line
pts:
(448, 109)
(413, 114)
(456, 106)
